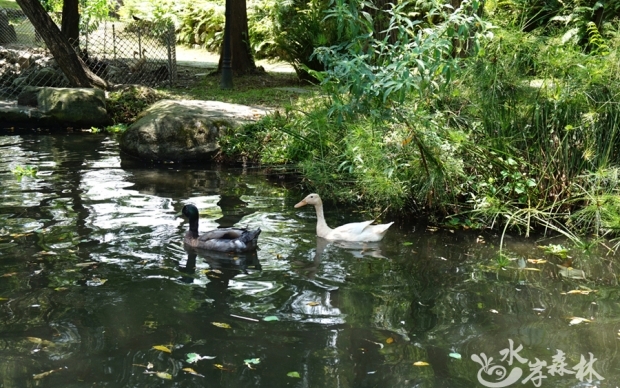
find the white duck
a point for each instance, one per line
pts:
(357, 231)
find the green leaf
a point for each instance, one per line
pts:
(455, 355)
(293, 374)
(270, 318)
(252, 361)
(195, 357)
(407, 243)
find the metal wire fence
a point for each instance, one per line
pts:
(140, 52)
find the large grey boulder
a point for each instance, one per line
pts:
(184, 131)
(60, 107)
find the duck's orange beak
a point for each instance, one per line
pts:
(301, 203)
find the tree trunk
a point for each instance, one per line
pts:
(78, 74)
(70, 25)
(242, 60)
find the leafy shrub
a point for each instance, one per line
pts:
(126, 103)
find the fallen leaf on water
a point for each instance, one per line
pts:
(221, 367)
(6, 275)
(18, 235)
(252, 361)
(163, 375)
(195, 357)
(192, 372)
(572, 273)
(222, 325)
(313, 303)
(270, 318)
(455, 355)
(293, 374)
(536, 261)
(86, 264)
(421, 363)
(96, 282)
(376, 343)
(581, 292)
(578, 320)
(45, 374)
(40, 341)
(162, 348)
(1, 299)
(389, 340)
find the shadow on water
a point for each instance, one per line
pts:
(97, 288)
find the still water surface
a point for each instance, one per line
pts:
(96, 289)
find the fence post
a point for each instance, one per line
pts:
(114, 42)
(170, 40)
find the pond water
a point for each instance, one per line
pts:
(96, 288)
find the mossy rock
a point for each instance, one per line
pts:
(184, 131)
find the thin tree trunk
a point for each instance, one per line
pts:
(78, 74)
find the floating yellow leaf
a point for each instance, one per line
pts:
(313, 303)
(581, 292)
(222, 325)
(163, 375)
(578, 320)
(536, 261)
(421, 363)
(162, 348)
(40, 341)
(221, 367)
(45, 374)
(192, 372)
(389, 340)
(18, 235)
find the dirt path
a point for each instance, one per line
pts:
(204, 59)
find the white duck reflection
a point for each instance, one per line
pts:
(359, 250)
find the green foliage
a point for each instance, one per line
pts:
(202, 24)
(22, 171)
(390, 148)
(116, 128)
(598, 197)
(125, 104)
(92, 12)
(299, 28)
(11, 4)
(255, 142)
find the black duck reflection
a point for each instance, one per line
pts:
(227, 265)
